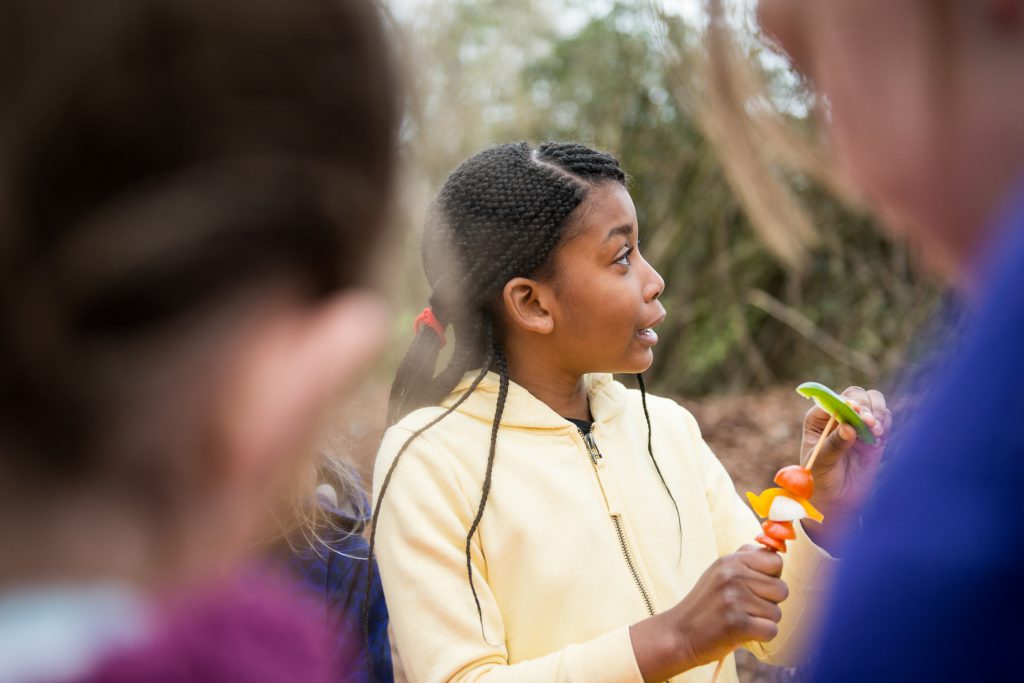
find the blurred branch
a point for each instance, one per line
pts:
(806, 327)
(753, 356)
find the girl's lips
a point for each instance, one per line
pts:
(647, 336)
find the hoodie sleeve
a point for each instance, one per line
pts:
(806, 569)
(421, 552)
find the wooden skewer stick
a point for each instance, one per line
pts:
(718, 670)
(810, 463)
(821, 442)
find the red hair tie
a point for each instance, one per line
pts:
(428, 318)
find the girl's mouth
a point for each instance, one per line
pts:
(647, 336)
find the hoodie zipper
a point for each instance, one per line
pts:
(588, 440)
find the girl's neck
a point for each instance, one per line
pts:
(565, 393)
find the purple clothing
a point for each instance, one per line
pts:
(931, 590)
(252, 629)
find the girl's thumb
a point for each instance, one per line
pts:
(836, 444)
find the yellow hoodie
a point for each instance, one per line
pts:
(575, 544)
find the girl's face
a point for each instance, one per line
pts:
(603, 295)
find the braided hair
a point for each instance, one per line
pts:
(500, 215)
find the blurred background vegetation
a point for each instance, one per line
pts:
(740, 319)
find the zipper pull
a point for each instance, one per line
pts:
(588, 438)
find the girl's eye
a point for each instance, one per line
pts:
(624, 259)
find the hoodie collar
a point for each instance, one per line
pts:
(522, 409)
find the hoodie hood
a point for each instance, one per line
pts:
(522, 409)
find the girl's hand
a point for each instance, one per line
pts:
(846, 468)
(735, 601)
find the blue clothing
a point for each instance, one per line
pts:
(932, 589)
(336, 574)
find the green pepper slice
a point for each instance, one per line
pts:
(836, 406)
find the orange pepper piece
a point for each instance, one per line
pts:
(763, 502)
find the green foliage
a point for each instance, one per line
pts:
(495, 71)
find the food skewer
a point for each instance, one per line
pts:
(821, 442)
(790, 502)
(718, 669)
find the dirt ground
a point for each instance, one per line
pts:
(752, 434)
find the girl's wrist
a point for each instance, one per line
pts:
(660, 650)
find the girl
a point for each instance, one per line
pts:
(536, 520)
(190, 193)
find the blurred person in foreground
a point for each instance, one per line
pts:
(191, 198)
(926, 102)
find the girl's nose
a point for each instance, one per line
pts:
(654, 285)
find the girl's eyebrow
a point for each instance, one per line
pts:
(624, 230)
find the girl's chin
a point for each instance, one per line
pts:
(635, 362)
(638, 362)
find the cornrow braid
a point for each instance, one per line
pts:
(498, 216)
(498, 410)
(484, 369)
(650, 451)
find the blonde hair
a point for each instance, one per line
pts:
(762, 149)
(332, 485)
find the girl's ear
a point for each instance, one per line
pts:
(527, 305)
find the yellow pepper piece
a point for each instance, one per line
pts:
(763, 502)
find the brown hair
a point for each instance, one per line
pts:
(160, 159)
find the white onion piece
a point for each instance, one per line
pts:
(785, 509)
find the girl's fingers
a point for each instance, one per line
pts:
(836, 445)
(816, 418)
(858, 394)
(866, 415)
(871, 406)
(764, 609)
(761, 560)
(876, 401)
(762, 630)
(768, 588)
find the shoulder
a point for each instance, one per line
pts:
(672, 425)
(415, 431)
(420, 449)
(665, 412)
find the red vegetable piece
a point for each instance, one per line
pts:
(771, 543)
(797, 480)
(780, 531)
